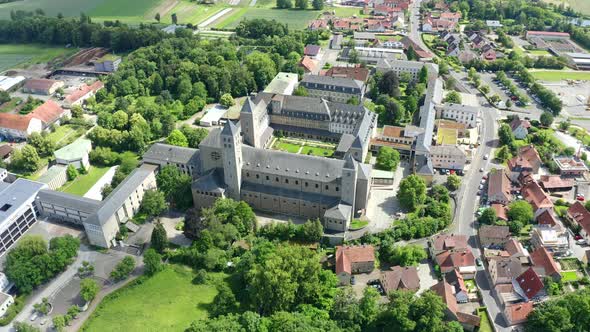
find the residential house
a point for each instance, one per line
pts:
(455, 279)
(520, 127)
(492, 235)
(517, 313)
(18, 127)
(423, 55)
(488, 53)
(578, 215)
(527, 161)
(42, 86)
(515, 249)
(460, 113)
(308, 64)
(336, 42)
(453, 312)
(352, 260)
(450, 16)
(539, 200)
(453, 50)
(80, 95)
(447, 242)
(570, 166)
(528, 285)
(312, 51)
(400, 278)
(544, 264)
(317, 25)
(448, 157)
(463, 261)
(547, 219)
(466, 56)
(499, 187)
(478, 41)
(503, 270)
(501, 211)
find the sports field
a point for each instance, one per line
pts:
(18, 55)
(558, 75)
(168, 301)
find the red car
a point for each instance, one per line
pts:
(578, 237)
(580, 198)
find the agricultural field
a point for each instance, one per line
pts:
(168, 301)
(295, 19)
(18, 56)
(558, 75)
(54, 7)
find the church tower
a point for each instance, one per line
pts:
(232, 159)
(349, 177)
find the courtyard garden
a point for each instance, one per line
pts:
(168, 301)
(80, 185)
(311, 148)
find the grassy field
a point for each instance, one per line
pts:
(346, 11)
(539, 52)
(485, 325)
(569, 264)
(63, 134)
(569, 276)
(317, 151)
(168, 301)
(126, 11)
(306, 148)
(52, 7)
(558, 75)
(580, 134)
(84, 182)
(286, 146)
(295, 19)
(10, 105)
(356, 224)
(579, 5)
(17, 55)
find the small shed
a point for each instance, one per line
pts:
(212, 116)
(75, 153)
(384, 178)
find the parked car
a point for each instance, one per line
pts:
(486, 157)
(581, 242)
(580, 198)
(352, 280)
(478, 261)
(481, 170)
(578, 237)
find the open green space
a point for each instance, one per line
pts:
(295, 19)
(485, 324)
(558, 75)
(286, 146)
(580, 134)
(539, 52)
(192, 11)
(569, 264)
(84, 182)
(9, 105)
(357, 224)
(307, 148)
(346, 11)
(168, 301)
(579, 5)
(53, 7)
(18, 55)
(569, 276)
(126, 11)
(317, 151)
(65, 133)
(470, 284)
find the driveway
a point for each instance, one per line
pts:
(95, 192)
(568, 140)
(383, 203)
(170, 220)
(427, 276)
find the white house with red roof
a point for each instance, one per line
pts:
(352, 260)
(78, 96)
(18, 127)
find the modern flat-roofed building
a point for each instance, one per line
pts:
(570, 166)
(17, 210)
(7, 83)
(461, 113)
(120, 206)
(336, 89)
(580, 61)
(283, 83)
(108, 63)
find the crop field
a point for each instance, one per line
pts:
(579, 5)
(54, 7)
(17, 55)
(558, 75)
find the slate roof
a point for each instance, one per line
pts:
(290, 193)
(339, 212)
(171, 153)
(312, 50)
(116, 198)
(211, 182)
(66, 200)
(325, 81)
(299, 166)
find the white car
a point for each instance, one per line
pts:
(486, 157)
(481, 170)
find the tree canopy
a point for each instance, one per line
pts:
(412, 192)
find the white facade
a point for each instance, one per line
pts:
(6, 301)
(34, 126)
(447, 157)
(459, 113)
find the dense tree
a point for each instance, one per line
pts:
(159, 240)
(24, 327)
(505, 135)
(406, 312)
(300, 91)
(71, 172)
(565, 313)
(412, 192)
(26, 159)
(194, 136)
(284, 4)
(546, 119)
(520, 211)
(227, 100)
(123, 269)
(387, 159)
(389, 84)
(177, 138)
(317, 4)
(453, 182)
(453, 97)
(262, 67)
(228, 211)
(88, 289)
(59, 322)
(488, 217)
(423, 75)
(153, 202)
(309, 232)
(405, 255)
(42, 143)
(176, 186)
(152, 262)
(301, 4)
(224, 302)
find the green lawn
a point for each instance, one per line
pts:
(558, 75)
(63, 134)
(192, 12)
(579, 5)
(127, 11)
(19, 55)
(569, 264)
(470, 284)
(356, 224)
(485, 325)
(295, 19)
(10, 105)
(580, 134)
(317, 151)
(84, 182)
(539, 52)
(569, 276)
(346, 11)
(168, 301)
(230, 18)
(285, 146)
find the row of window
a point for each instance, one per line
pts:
(205, 193)
(306, 184)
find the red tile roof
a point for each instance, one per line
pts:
(450, 242)
(450, 260)
(499, 186)
(501, 211)
(469, 319)
(83, 91)
(579, 214)
(450, 15)
(547, 218)
(518, 312)
(517, 122)
(533, 194)
(346, 256)
(552, 182)
(357, 73)
(530, 283)
(308, 63)
(14, 121)
(513, 247)
(445, 291)
(542, 258)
